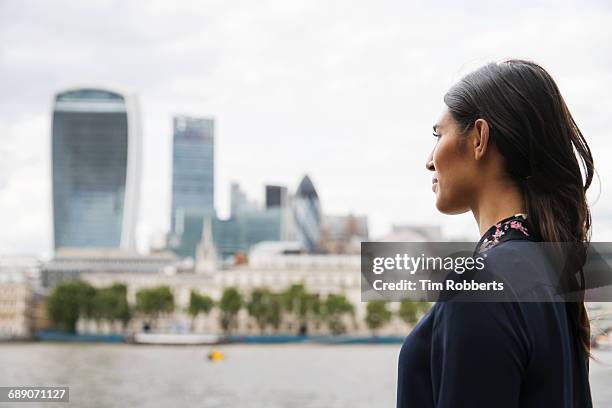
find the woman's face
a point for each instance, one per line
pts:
(452, 162)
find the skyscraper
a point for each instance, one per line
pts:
(276, 196)
(239, 202)
(307, 215)
(193, 170)
(96, 168)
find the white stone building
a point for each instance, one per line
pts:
(323, 274)
(17, 275)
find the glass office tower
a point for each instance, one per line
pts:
(231, 235)
(307, 215)
(96, 168)
(193, 170)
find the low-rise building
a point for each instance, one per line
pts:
(322, 274)
(18, 275)
(71, 263)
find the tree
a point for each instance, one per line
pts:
(315, 306)
(121, 308)
(300, 304)
(410, 311)
(230, 304)
(258, 307)
(336, 306)
(266, 308)
(377, 315)
(69, 301)
(275, 310)
(111, 303)
(155, 301)
(199, 304)
(294, 300)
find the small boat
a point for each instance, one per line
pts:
(216, 355)
(176, 338)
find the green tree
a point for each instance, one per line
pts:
(199, 303)
(410, 311)
(377, 315)
(69, 301)
(294, 300)
(275, 310)
(110, 303)
(336, 306)
(155, 301)
(266, 308)
(315, 306)
(230, 304)
(301, 305)
(258, 307)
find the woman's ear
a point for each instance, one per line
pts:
(480, 138)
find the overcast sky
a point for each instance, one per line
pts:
(342, 91)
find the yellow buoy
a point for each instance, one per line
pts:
(216, 355)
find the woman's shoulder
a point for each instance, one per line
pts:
(515, 255)
(526, 268)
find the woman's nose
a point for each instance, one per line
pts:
(429, 165)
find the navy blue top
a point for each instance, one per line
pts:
(495, 354)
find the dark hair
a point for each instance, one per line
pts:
(543, 148)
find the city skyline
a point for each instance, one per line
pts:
(350, 103)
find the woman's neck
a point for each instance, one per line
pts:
(496, 202)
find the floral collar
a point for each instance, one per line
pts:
(513, 227)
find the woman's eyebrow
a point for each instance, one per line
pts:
(435, 128)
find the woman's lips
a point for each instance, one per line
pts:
(434, 184)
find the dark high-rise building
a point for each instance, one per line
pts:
(193, 170)
(96, 168)
(276, 196)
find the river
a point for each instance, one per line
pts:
(252, 376)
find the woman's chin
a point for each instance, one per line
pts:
(449, 208)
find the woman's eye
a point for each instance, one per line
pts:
(436, 135)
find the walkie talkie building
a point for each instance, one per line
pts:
(96, 149)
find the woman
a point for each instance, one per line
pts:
(509, 151)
